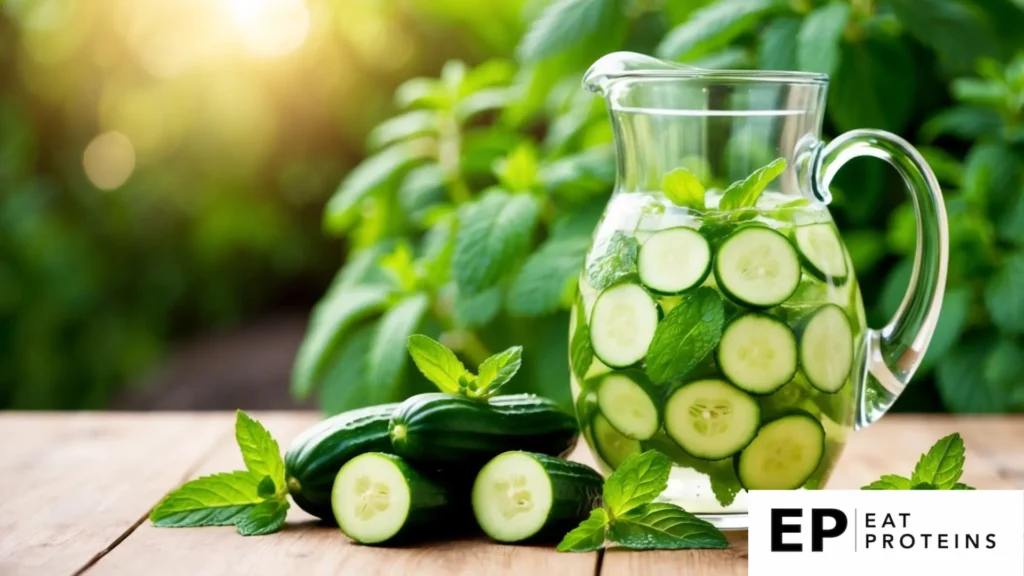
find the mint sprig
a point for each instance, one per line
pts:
(744, 193)
(631, 518)
(683, 188)
(440, 365)
(938, 469)
(253, 500)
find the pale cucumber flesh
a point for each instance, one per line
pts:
(711, 419)
(627, 406)
(371, 498)
(785, 453)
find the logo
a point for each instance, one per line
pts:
(819, 532)
(857, 532)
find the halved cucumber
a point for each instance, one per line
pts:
(674, 260)
(821, 251)
(757, 267)
(757, 353)
(625, 400)
(622, 325)
(826, 348)
(785, 453)
(611, 445)
(378, 497)
(711, 419)
(523, 496)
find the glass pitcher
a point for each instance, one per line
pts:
(718, 318)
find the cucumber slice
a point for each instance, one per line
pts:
(377, 497)
(826, 348)
(821, 251)
(757, 267)
(622, 325)
(523, 496)
(711, 419)
(784, 455)
(674, 260)
(611, 445)
(628, 406)
(758, 353)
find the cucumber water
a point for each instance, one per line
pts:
(730, 343)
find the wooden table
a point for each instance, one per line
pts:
(76, 488)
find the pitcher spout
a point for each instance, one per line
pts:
(621, 64)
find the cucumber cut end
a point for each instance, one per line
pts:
(611, 445)
(512, 497)
(370, 498)
(674, 260)
(826, 349)
(628, 407)
(622, 325)
(822, 252)
(784, 455)
(711, 419)
(757, 267)
(758, 353)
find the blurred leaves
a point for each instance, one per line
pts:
(500, 206)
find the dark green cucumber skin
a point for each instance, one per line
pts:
(429, 501)
(316, 455)
(442, 429)
(575, 491)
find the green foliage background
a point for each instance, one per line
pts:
(471, 216)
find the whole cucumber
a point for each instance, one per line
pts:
(442, 429)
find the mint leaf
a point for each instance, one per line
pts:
(712, 27)
(889, 482)
(331, 321)
(637, 481)
(819, 37)
(386, 362)
(494, 233)
(215, 500)
(260, 451)
(942, 465)
(659, 525)
(497, 370)
(565, 25)
(266, 517)
(588, 536)
(373, 173)
(475, 310)
(437, 363)
(266, 488)
(518, 170)
(548, 277)
(687, 334)
(615, 258)
(721, 473)
(744, 193)
(580, 351)
(683, 188)
(961, 486)
(924, 486)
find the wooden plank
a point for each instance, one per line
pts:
(998, 440)
(891, 446)
(72, 485)
(306, 547)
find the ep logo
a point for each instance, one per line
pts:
(823, 523)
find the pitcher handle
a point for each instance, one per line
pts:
(895, 351)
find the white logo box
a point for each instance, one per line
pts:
(917, 532)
